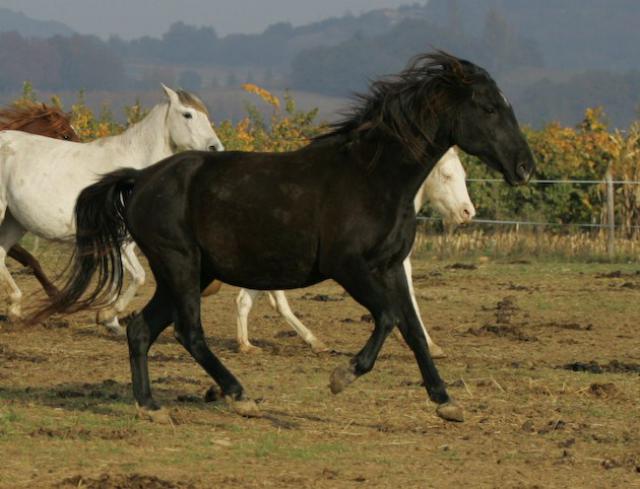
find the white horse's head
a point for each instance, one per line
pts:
(446, 190)
(188, 124)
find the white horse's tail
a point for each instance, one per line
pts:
(100, 232)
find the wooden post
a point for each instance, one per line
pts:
(611, 224)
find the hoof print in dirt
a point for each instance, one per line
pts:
(450, 411)
(461, 266)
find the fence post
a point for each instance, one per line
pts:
(611, 224)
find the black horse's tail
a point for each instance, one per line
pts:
(100, 232)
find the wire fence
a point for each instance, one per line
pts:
(610, 225)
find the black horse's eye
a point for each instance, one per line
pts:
(489, 110)
(187, 115)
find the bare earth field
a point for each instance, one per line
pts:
(544, 357)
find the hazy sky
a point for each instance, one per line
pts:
(134, 18)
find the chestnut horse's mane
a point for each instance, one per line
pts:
(17, 117)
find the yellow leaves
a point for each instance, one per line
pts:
(264, 94)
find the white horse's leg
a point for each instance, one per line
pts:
(279, 302)
(10, 233)
(435, 350)
(109, 317)
(244, 303)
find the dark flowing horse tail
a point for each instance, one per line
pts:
(100, 232)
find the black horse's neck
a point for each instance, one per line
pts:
(389, 161)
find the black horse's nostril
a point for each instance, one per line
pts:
(523, 172)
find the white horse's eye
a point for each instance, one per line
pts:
(187, 115)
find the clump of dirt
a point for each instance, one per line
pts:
(462, 266)
(630, 285)
(8, 354)
(603, 390)
(168, 379)
(286, 333)
(161, 357)
(55, 323)
(617, 274)
(426, 276)
(502, 331)
(570, 326)
(83, 434)
(551, 426)
(614, 366)
(505, 310)
(130, 481)
(518, 288)
(321, 297)
(189, 399)
(108, 389)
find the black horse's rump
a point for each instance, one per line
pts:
(340, 208)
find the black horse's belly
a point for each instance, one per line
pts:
(259, 242)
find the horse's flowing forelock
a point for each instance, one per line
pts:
(190, 100)
(404, 107)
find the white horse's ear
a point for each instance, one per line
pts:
(172, 96)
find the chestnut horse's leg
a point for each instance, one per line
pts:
(26, 259)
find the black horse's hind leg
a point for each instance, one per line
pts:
(142, 331)
(387, 297)
(188, 331)
(179, 270)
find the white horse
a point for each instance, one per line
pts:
(446, 190)
(41, 178)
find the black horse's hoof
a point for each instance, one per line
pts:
(450, 411)
(341, 378)
(159, 415)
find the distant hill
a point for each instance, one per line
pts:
(11, 21)
(552, 58)
(572, 34)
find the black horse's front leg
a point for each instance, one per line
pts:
(387, 297)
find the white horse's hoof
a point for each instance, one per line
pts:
(249, 348)
(436, 351)
(318, 346)
(113, 327)
(450, 411)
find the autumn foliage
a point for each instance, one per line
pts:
(584, 152)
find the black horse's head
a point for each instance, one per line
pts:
(437, 102)
(476, 115)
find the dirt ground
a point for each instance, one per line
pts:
(544, 358)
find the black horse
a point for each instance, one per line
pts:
(340, 208)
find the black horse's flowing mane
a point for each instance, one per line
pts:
(402, 106)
